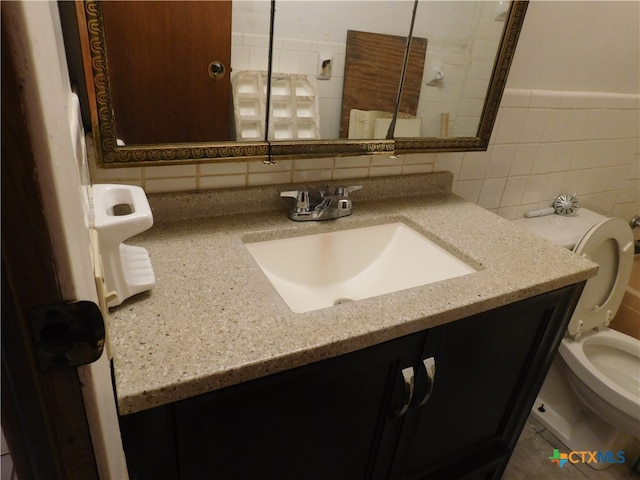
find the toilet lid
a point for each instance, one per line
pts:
(609, 243)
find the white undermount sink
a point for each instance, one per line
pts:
(318, 271)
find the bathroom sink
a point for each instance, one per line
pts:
(318, 271)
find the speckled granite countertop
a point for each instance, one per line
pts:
(214, 319)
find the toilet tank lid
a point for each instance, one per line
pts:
(563, 231)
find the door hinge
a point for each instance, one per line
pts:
(67, 334)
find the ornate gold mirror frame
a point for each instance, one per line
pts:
(110, 154)
(103, 122)
(504, 57)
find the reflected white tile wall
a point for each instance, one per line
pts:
(544, 143)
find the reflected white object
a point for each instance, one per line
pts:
(405, 127)
(444, 124)
(294, 112)
(319, 271)
(364, 124)
(435, 74)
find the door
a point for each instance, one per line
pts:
(158, 58)
(59, 424)
(43, 415)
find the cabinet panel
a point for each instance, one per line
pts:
(148, 438)
(484, 366)
(316, 422)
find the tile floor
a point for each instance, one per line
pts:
(6, 465)
(530, 460)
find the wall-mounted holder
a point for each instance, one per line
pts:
(435, 74)
(325, 61)
(120, 212)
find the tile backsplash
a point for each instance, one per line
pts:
(544, 143)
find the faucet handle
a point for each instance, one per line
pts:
(301, 197)
(345, 191)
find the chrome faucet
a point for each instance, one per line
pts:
(320, 205)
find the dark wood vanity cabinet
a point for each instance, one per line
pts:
(445, 403)
(489, 369)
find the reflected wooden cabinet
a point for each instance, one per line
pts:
(162, 91)
(371, 413)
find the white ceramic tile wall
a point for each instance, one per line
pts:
(467, 69)
(544, 143)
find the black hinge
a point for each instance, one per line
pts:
(67, 335)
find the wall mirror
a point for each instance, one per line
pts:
(469, 47)
(333, 60)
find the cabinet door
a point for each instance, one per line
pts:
(488, 370)
(322, 421)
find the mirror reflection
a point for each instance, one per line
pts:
(333, 59)
(445, 85)
(464, 39)
(170, 65)
(177, 97)
(328, 53)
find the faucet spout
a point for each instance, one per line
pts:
(327, 207)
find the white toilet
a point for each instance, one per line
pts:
(591, 397)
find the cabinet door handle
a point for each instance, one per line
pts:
(429, 365)
(408, 380)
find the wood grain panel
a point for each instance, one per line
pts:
(373, 67)
(159, 53)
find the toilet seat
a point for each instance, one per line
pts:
(609, 243)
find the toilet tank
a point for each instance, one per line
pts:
(561, 230)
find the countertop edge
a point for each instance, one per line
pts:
(274, 340)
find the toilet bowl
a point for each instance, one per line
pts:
(603, 369)
(591, 397)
